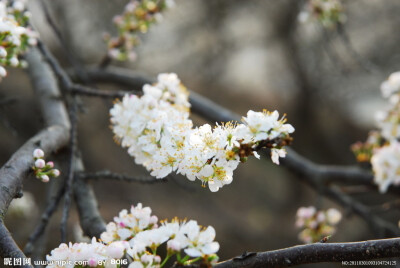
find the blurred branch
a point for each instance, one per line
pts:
(91, 222)
(69, 180)
(44, 219)
(318, 252)
(79, 70)
(106, 174)
(365, 64)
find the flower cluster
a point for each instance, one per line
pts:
(328, 12)
(136, 18)
(386, 164)
(139, 235)
(316, 224)
(94, 254)
(43, 171)
(158, 133)
(15, 35)
(382, 147)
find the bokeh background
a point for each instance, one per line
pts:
(243, 55)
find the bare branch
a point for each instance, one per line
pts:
(8, 247)
(91, 221)
(319, 252)
(106, 174)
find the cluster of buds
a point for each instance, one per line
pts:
(316, 225)
(43, 171)
(15, 34)
(158, 133)
(137, 17)
(328, 12)
(138, 234)
(382, 147)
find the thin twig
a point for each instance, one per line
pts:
(71, 169)
(106, 174)
(44, 220)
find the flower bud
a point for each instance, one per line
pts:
(38, 153)
(45, 178)
(146, 258)
(50, 164)
(153, 219)
(3, 72)
(14, 62)
(55, 172)
(3, 52)
(157, 259)
(40, 163)
(92, 262)
(116, 249)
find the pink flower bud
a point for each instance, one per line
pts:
(40, 163)
(38, 153)
(50, 164)
(157, 259)
(45, 178)
(146, 258)
(116, 250)
(55, 172)
(92, 262)
(174, 245)
(153, 219)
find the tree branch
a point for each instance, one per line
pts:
(106, 174)
(318, 252)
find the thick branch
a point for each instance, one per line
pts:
(90, 218)
(319, 252)
(20, 163)
(91, 221)
(8, 247)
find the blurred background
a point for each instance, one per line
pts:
(244, 55)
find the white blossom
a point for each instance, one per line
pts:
(158, 133)
(385, 164)
(93, 253)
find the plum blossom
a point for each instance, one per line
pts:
(137, 17)
(385, 164)
(316, 224)
(382, 146)
(127, 225)
(15, 32)
(94, 253)
(158, 133)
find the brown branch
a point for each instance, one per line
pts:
(318, 252)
